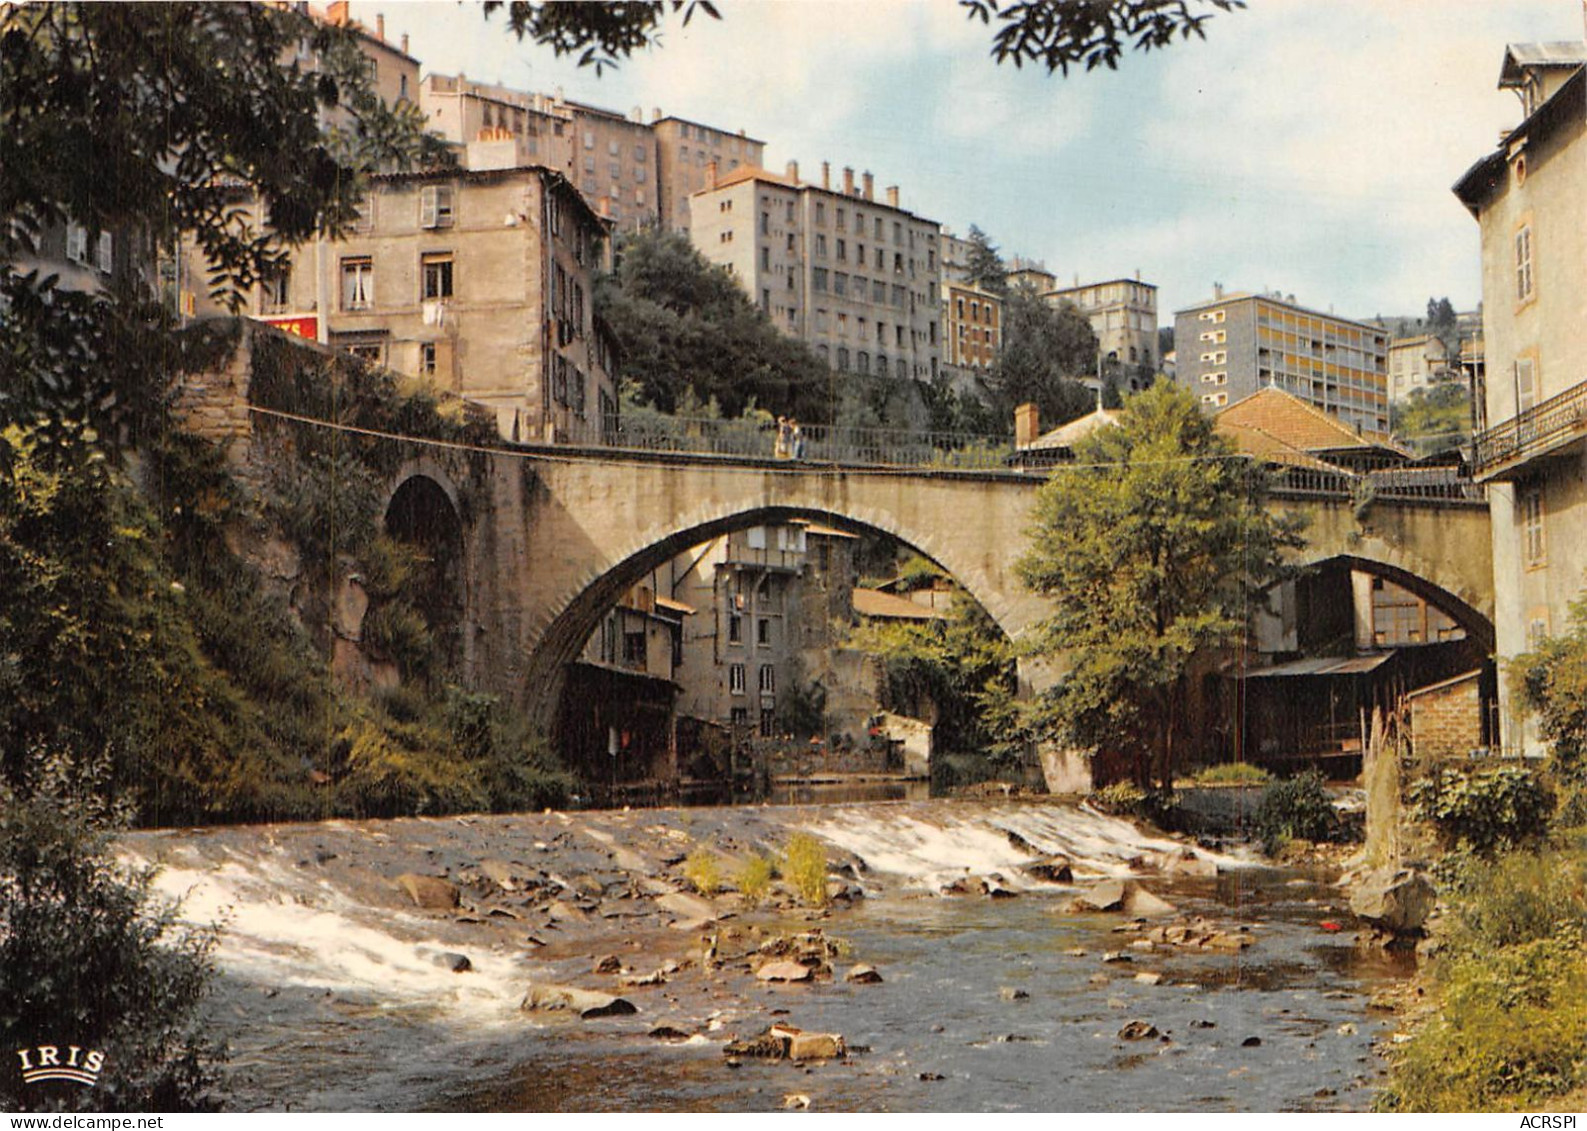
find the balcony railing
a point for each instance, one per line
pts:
(1396, 484)
(1539, 429)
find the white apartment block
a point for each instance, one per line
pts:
(1123, 314)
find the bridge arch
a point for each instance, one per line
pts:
(422, 511)
(1478, 625)
(601, 587)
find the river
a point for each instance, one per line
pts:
(336, 993)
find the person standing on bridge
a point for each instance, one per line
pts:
(784, 436)
(796, 437)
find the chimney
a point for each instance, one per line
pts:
(1027, 425)
(848, 181)
(655, 113)
(870, 186)
(404, 43)
(826, 175)
(380, 26)
(710, 174)
(1217, 290)
(793, 171)
(892, 195)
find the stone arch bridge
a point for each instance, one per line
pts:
(551, 537)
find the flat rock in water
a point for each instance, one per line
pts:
(1011, 993)
(864, 975)
(784, 972)
(1106, 896)
(500, 873)
(451, 960)
(563, 912)
(1188, 862)
(1138, 1031)
(1053, 869)
(688, 907)
(1143, 904)
(1149, 978)
(608, 964)
(548, 998)
(429, 892)
(1397, 901)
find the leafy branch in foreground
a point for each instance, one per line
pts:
(1060, 34)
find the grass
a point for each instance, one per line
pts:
(754, 878)
(1232, 773)
(703, 870)
(805, 867)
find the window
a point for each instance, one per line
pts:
(1219, 378)
(735, 679)
(765, 223)
(277, 290)
(358, 283)
(1525, 383)
(843, 359)
(881, 260)
(1533, 545)
(427, 359)
(106, 252)
(76, 243)
(634, 648)
(768, 722)
(1215, 399)
(840, 282)
(437, 271)
(765, 258)
(1523, 263)
(611, 149)
(821, 245)
(821, 212)
(864, 362)
(763, 632)
(818, 278)
(435, 206)
(639, 154)
(768, 678)
(841, 215)
(589, 139)
(735, 628)
(740, 716)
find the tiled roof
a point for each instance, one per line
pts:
(752, 173)
(874, 603)
(1293, 422)
(1268, 448)
(1068, 435)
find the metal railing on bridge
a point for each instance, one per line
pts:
(1398, 484)
(815, 443)
(1541, 427)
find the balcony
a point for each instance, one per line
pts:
(1544, 429)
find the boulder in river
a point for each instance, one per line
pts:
(1394, 900)
(864, 975)
(432, 893)
(1105, 896)
(784, 971)
(545, 997)
(1052, 869)
(787, 1042)
(1138, 1031)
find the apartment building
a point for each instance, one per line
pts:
(1031, 274)
(685, 152)
(1123, 314)
(972, 321)
(856, 278)
(1417, 363)
(1234, 344)
(478, 279)
(635, 173)
(1529, 196)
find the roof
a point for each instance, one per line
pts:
(675, 606)
(874, 603)
(1478, 182)
(1474, 673)
(1555, 53)
(827, 531)
(1230, 298)
(1103, 283)
(1295, 423)
(1068, 435)
(461, 173)
(1322, 665)
(739, 134)
(1262, 445)
(750, 173)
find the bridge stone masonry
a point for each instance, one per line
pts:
(548, 537)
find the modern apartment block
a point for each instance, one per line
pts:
(635, 173)
(1235, 344)
(1529, 197)
(858, 279)
(1123, 313)
(478, 279)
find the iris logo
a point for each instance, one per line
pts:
(44, 1063)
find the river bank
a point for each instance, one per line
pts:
(340, 990)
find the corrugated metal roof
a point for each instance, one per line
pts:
(1555, 53)
(1322, 665)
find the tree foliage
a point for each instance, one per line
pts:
(1059, 34)
(1044, 349)
(1437, 417)
(686, 330)
(1552, 680)
(600, 34)
(983, 267)
(1152, 549)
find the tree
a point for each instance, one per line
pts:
(1552, 680)
(1437, 418)
(1152, 549)
(1044, 349)
(1064, 33)
(685, 329)
(985, 268)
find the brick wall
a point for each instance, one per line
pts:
(1446, 720)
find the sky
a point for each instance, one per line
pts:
(1305, 146)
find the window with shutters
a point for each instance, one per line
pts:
(435, 206)
(437, 272)
(358, 283)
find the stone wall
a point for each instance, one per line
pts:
(1446, 719)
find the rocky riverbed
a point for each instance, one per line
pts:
(982, 955)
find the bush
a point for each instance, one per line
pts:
(1483, 811)
(90, 958)
(703, 870)
(754, 878)
(1232, 773)
(1122, 799)
(805, 867)
(1296, 808)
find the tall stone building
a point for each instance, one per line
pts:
(1233, 345)
(1529, 197)
(478, 279)
(972, 321)
(635, 173)
(857, 279)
